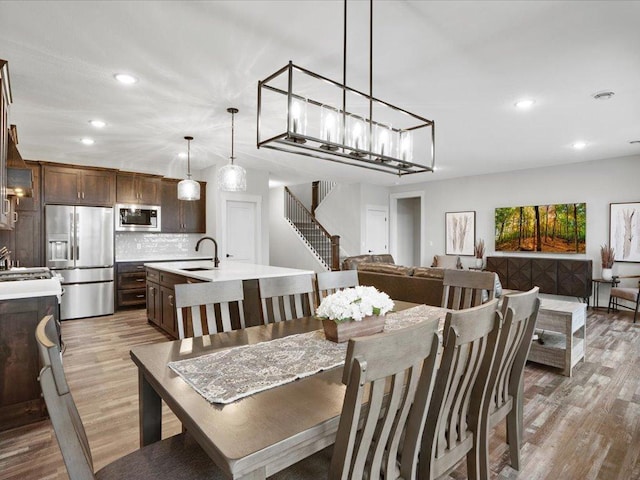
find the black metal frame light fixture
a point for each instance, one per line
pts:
(188, 189)
(365, 131)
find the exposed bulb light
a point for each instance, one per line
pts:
(525, 103)
(125, 78)
(232, 178)
(188, 189)
(97, 123)
(87, 141)
(182, 155)
(579, 145)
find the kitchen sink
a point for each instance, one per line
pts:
(196, 269)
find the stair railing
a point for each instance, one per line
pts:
(327, 246)
(319, 190)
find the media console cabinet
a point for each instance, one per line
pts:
(556, 276)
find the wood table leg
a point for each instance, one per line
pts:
(150, 412)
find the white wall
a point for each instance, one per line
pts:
(597, 183)
(286, 247)
(341, 214)
(257, 185)
(303, 192)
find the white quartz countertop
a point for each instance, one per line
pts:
(162, 258)
(227, 270)
(30, 288)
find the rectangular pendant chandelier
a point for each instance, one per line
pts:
(308, 114)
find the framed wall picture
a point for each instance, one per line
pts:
(460, 232)
(624, 231)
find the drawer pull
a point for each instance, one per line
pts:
(139, 296)
(140, 279)
(140, 267)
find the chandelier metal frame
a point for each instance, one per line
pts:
(367, 155)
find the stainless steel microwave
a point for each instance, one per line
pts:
(137, 218)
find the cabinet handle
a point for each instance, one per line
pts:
(140, 267)
(6, 208)
(15, 217)
(78, 195)
(171, 300)
(140, 279)
(83, 195)
(139, 296)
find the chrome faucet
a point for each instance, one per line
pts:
(216, 261)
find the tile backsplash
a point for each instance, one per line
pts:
(141, 246)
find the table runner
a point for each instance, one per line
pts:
(227, 375)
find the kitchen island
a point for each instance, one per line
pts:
(23, 303)
(163, 276)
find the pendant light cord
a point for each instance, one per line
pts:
(232, 135)
(189, 159)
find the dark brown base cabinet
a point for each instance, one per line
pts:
(161, 305)
(131, 288)
(20, 399)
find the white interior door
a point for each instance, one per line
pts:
(241, 231)
(376, 230)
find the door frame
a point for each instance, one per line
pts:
(364, 225)
(241, 197)
(393, 222)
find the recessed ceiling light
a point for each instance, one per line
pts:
(88, 141)
(604, 95)
(525, 103)
(125, 78)
(579, 145)
(97, 123)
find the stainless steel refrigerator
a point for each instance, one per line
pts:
(80, 249)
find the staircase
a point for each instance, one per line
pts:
(325, 247)
(319, 190)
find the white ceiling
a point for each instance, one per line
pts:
(461, 63)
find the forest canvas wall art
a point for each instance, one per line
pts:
(560, 228)
(624, 231)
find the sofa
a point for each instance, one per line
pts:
(409, 284)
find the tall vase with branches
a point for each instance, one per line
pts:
(607, 255)
(478, 251)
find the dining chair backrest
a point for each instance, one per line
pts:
(216, 300)
(62, 410)
(470, 340)
(504, 396)
(467, 288)
(331, 282)
(286, 298)
(403, 360)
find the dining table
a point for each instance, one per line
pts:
(261, 433)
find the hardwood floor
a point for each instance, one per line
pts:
(585, 427)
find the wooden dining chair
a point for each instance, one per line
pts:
(175, 457)
(216, 300)
(330, 282)
(285, 298)
(467, 288)
(450, 433)
(505, 392)
(385, 374)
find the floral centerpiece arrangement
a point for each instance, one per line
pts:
(607, 255)
(353, 312)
